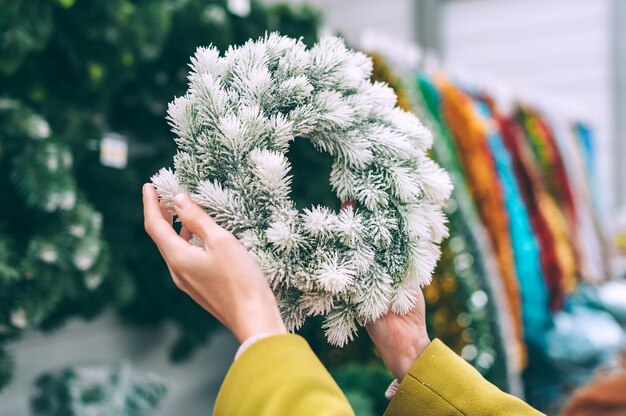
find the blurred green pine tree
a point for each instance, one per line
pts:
(90, 69)
(53, 259)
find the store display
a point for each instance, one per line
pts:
(525, 288)
(497, 155)
(470, 136)
(467, 257)
(533, 292)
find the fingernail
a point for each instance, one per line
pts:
(145, 186)
(182, 201)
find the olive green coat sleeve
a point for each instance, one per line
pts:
(281, 376)
(441, 383)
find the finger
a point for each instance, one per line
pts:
(157, 227)
(195, 219)
(185, 234)
(166, 212)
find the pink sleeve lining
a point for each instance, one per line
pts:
(392, 389)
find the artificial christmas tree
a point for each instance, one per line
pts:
(53, 261)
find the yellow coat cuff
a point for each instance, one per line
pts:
(442, 383)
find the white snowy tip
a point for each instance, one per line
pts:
(333, 276)
(282, 236)
(374, 304)
(249, 239)
(339, 327)
(380, 95)
(334, 109)
(436, 182)
(350, 227)
(382, 230)
(438, 221)
(407, 184)
(167, 185)
(213, 195)
(362, 259)
(273, 269)
(282, 130)
(316, 303)
(410, 125)
(180, 117)
(319, 221)
(405, 297)
(207, 60)
(296, 88)
(271, 168)
(423, 259)
(416, 221)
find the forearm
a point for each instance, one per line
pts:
(280, 375)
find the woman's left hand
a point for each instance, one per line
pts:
(400, 339)
(221, 276)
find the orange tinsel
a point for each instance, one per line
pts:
(470, 136)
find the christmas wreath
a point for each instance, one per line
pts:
(233, 128)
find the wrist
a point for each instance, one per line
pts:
(258, 319)
(407, 354)
(259, 327)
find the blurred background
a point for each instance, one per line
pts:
(527, 102)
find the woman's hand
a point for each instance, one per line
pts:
(400, 339)
(221, 276)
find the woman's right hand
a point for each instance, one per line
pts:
(221, 276)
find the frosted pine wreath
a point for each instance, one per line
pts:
(233, 128)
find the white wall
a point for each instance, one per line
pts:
(619, 23)
(558, 51)
(351, 17)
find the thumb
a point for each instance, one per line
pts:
(194, 218)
